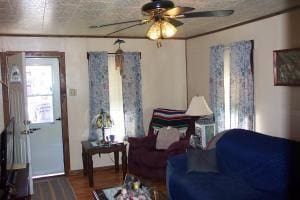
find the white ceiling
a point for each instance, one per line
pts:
(73, 17)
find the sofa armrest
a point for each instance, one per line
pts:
(142, 142)
(178, 147)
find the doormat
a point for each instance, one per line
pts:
(58, 188)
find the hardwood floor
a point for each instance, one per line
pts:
(103, 178)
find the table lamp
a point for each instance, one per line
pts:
(103, 121)
(198, 108)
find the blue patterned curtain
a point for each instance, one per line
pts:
(132, 95)
(99, 88)
(216, 84)
(241, 86)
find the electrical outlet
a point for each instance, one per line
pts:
(72, 92)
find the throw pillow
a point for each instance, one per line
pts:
(199, 160)
(182, 130)
(166, 136)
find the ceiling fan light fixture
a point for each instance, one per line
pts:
(160, 30)
(154, 32)
(167, 29)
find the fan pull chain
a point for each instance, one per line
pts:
(158, 43)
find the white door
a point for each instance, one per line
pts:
(44, 114)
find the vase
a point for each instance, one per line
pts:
(99, 134)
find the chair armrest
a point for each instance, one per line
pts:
(142, 142)
(178, 147)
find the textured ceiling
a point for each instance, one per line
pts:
(73, 17)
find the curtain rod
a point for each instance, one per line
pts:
(228, 45)
(110, 53)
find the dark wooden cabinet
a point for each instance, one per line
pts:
(22, 183)
(19, 187)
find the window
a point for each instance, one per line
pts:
(116, 100)
(238, 86)
(227, 87)
(39, 94)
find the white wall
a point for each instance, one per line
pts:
(277, 107)
(163, 78)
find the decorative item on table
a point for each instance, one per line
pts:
(133, 189)
(102, 121)
(195, 141)
(110, 139)
(198, 109)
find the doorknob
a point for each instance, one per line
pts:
(31, 130)
(58, 119)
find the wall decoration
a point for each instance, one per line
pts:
(287, 67)
(15, 75)
(119, 56)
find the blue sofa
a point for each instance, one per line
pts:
(251, 166)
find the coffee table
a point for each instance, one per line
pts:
(109, 193)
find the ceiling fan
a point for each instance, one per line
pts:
(164, 14)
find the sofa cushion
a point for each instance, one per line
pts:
(166, 136)
(152, 159)
(182, 130)
(199, 160)
(266, 163)
(207, 186)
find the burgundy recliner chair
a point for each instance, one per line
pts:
(143, 159)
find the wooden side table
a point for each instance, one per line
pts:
(88, 150)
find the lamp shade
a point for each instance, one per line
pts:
(198, 107)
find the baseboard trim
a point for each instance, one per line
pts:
(47, 177)
(80, 171)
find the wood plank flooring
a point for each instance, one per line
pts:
(103, 178)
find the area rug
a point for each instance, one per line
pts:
(58, 188)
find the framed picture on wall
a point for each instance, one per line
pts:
(287, 67)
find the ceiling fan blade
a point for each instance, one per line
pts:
(215, 13)
(178, 11)
(128, 27)
(175, 22)
(118, 23)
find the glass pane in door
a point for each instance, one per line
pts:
(39, 94)
(40, 109)
(39, 80)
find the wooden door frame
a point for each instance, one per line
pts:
(63, 94)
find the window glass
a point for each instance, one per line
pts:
(39, 94)
(116, 100)
(227, 87)
(40, 109)
(39, 80)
